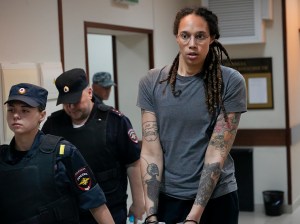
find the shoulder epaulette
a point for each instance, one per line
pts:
(115, 111)
(50, 143)
(104, 107)
(64, 149)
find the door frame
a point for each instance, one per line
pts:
(114, 30)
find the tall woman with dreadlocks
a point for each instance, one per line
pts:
(190, 115)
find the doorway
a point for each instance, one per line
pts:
(100, 59)
(125, 51)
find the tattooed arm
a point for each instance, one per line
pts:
(151, 162)
(218, 148)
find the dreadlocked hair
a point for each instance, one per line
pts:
(171, 78)
(212, 74)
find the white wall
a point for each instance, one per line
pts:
(299, 15)
(270, 171)
(29, 33)
(104, 11)
(273, 47)
(293, 48)
(293, 42)
(295, 155)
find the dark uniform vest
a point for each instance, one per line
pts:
(27, 191)
(90, 139)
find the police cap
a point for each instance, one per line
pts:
(70, 85)
(103, 79)
(34, 96)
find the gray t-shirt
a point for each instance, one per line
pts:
(182, 124)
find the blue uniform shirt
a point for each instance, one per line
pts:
(74, 175)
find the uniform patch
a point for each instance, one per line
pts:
(117, 112)
(83, 179)
(132, 135)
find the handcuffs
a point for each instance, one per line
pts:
(147, 221)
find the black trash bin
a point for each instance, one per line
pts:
(273, 201)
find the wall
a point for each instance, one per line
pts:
(29, 33)
(293, 56)
(275, 157)
(293, 44)
(104, 11)
(299, 15)
(151, 14)
(273, 47)
(269, 171)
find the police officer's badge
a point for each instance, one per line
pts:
(83, 179)
(66, 89)
(22, 91)
(132, 135)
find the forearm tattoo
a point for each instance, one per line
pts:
(224, 133)
(152, 186)
(150, 134)
(150, 130)
(209, 177)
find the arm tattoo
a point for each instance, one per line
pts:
(150, 134)
(209, 177)
(224, 133)
(153, 186)
(150, 130)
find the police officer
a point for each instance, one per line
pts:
(102, 84)
(43, 177)
(105, 138)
